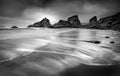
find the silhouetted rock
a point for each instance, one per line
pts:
(43, 23)
(111, 22)
(93, 23)
(95, 42)
(74, 20)
(14, 27)
(62, 24)
(107, 37)
(112, 42)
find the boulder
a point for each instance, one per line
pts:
(93, 23)
(74, 20)
(14, 27)
(110, 22)
(107, 37)
(62, 24)
(112, 42)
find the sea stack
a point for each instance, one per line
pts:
(43, 23)
(75, 22)
(93, 23)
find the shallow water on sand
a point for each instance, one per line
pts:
(47, 52)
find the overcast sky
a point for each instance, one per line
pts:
(24, 12)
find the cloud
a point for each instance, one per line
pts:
(16, 7)
(89, 10)
(37, 14)
(84, 10)
(34, 10)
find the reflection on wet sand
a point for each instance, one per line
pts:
(51, 54)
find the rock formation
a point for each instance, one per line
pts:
(93, 23)
(74, 20)
(43, 23)
(62, 24)
(111, 22)
(14, 27)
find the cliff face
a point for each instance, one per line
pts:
(111, 22)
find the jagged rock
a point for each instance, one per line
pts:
(112, 42)
(74, 20)
(95, 42)
(43, 23)
(62, 24)
(14, 27)
(107, 37)
(93, 23)
(111, 22)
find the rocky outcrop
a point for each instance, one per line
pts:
(74, 20)
(111, 22)
(93, 23)
(14, 27)
(62, 24)
(43, 23)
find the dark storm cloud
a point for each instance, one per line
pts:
(23, 9)
(15, 7)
